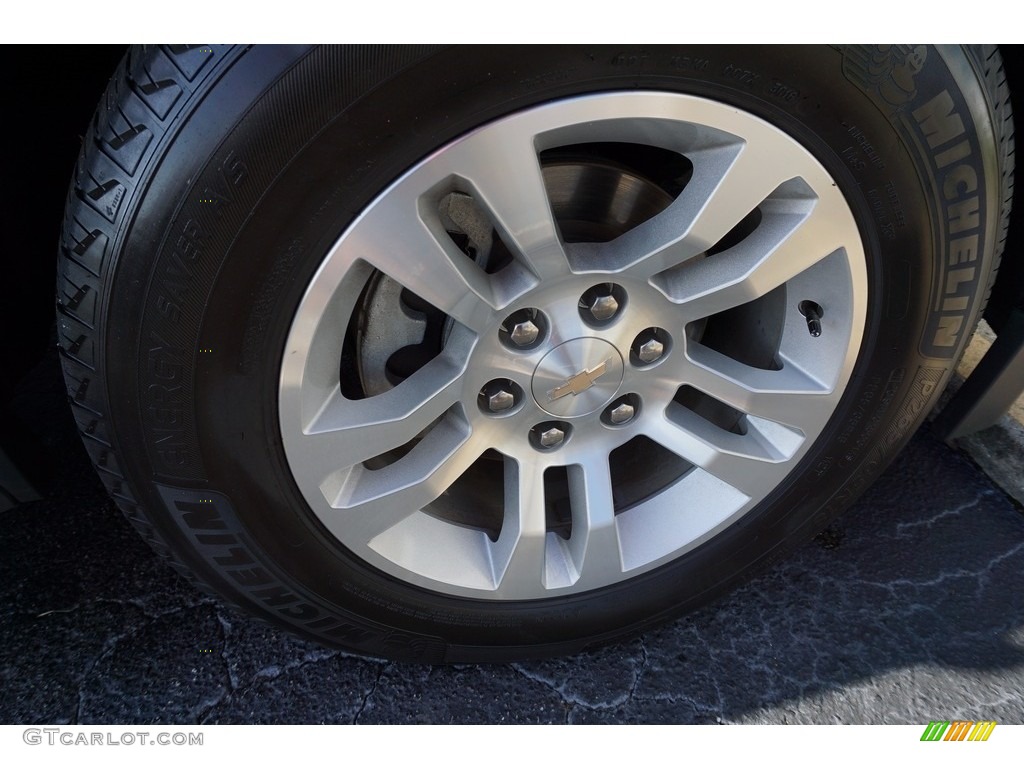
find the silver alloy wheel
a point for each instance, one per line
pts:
(582, 383)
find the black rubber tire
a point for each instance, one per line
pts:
(213, 180)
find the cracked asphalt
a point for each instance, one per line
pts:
(908, 609)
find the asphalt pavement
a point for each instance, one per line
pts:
(910, 608)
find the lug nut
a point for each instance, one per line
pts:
(604, 307)
(524, 334)
(649, 346)
(650, 351)
(621, 413)
(501, 400)
(523, 329)
(551, 437)
(499, 396)
(600, 303)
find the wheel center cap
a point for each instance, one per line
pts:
(577, 377)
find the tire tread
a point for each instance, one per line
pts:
(998, 90)
(139, 109)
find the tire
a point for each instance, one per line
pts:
(342, 354)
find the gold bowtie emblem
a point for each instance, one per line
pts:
(579, 382)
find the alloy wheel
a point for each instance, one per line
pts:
(572, 345)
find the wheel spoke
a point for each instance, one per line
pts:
(347, 432)
(788, 396)
(505, 171)
(370, 502)
(784, 245)
(397, 240)
(519, 554)
(594, 544)
(728, 183)
(741, 461)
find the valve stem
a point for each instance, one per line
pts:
(812, 312)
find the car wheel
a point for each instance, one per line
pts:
(474, 354)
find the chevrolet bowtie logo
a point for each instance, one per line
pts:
(579, 382)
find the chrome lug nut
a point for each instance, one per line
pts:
(499, 396)
(551, 437)
(524, 334)
(524, 329)
(649, 346)
(600, 304)
(501, 400)
(650, 351)
(604, 307)
(621, 413)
